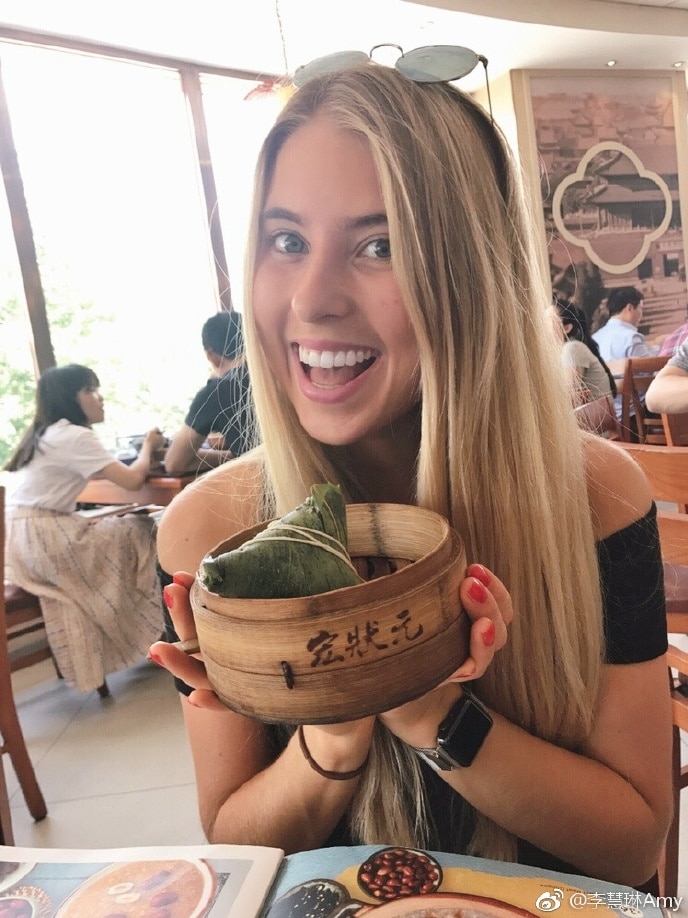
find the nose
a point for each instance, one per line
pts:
(322, 289)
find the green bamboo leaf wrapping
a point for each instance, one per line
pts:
(302, 554)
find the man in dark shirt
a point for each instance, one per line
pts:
(220, 407)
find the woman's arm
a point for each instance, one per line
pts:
(133, 476)
(668, 392)
(606, 808)
(187, 453)
(246, 799)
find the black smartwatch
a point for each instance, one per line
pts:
(460, 735)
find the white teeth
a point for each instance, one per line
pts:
(326, 360)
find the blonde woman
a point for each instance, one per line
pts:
(397, 344)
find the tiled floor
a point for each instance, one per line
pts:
(118, 772)
(114, 772)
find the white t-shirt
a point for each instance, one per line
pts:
(67, 457)
(576, 354)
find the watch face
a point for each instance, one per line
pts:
(463, 731)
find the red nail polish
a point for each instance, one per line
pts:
(178, 579)
(167, 597)
(153, 657)
(477, 591)
(489, 635)
(480, 573)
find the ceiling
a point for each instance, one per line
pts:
(271, 36)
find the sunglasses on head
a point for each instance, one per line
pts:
(429, 64)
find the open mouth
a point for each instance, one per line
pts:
(335, 368)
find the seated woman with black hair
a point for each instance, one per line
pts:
(95, 578)
(581, 355)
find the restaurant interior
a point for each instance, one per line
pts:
(128, 133)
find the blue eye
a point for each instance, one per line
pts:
(378, 248)
(289, 243)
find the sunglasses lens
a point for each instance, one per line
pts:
(437, 63)
(331, 63)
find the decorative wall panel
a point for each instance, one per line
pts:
(606, 153)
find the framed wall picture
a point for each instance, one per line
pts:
(605, 153)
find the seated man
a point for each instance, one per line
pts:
(220, 407)
(668, 392)
(620, 337)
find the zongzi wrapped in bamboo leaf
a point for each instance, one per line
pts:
(302, 554)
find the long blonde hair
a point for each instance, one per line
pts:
(500, 453)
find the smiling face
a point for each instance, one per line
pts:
(327, 307)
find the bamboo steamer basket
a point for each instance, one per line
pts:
(351, 652)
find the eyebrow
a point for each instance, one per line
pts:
(362, 222)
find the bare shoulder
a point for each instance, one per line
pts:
(617, 488)
(214, 507)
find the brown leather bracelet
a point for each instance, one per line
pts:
(323, 772)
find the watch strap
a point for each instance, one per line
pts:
(435, 759)
(460, 736)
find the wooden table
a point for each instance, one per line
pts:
(157, 489)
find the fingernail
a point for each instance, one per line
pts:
(178, 579)
(167, 596)
(480, 573)
(154, 658)
(489, 635)
(477, 591)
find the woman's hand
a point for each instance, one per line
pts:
(189, 669)
(488, 604)
(154, 439)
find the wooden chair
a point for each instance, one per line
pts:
(666, 468)
(639, 373)
(675, 429)
(23, 617)
(599, 417)
(668, 874)
(673, 534)
(11, 735)
(618, 370)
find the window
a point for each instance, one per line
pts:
(236, 129)
(112, 186)
(16, 358)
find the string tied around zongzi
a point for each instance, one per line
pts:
(304, 553)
